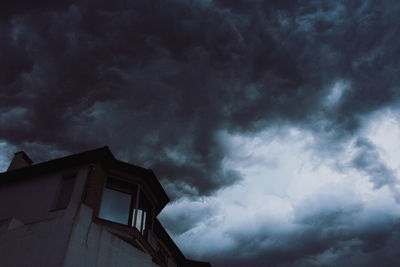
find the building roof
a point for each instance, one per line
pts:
(103, 155)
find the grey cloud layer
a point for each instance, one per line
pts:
(166, 75)
(345, 236)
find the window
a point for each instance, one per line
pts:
(124, 203)
(115, 206)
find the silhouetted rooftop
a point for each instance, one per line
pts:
(102, 154)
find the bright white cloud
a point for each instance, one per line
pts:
(285, 181)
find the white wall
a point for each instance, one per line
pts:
(41, 244)
(30, 199)
(93, 246)
(30, 235)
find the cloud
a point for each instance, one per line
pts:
(151, 78)
(368, 161)
(318, 215)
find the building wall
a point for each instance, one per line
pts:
(92, 245)
(30, 234)
(40, 244)
(31, 200)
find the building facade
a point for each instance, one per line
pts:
(87, 209)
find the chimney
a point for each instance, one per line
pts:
(20, 160)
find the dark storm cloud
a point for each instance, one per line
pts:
(162, 77)
(12, 8)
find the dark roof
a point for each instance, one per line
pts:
(102, 154)
(161, 233)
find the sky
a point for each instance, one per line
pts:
(273, 126)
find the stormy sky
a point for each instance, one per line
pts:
(274, 126)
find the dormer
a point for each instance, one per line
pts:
(127, 200)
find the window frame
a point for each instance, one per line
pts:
(135, 198)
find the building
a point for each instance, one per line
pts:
(83, 210)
